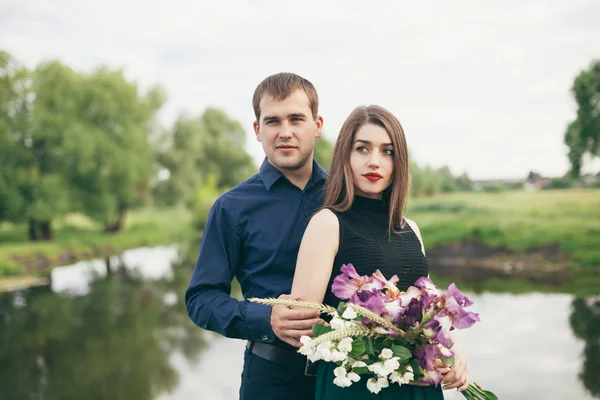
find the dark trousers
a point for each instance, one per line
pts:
(265, 380)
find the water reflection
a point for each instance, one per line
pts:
(113, 342)
(585, 322)
(123, 333)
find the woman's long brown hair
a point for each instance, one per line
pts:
(339, 191)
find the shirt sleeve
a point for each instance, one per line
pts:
(208, 296)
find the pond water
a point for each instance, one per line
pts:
(122, 333)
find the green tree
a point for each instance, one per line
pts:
(463, 182)
(110, 167)
(448, 182)
(197, 149)
(14, 125)
(324, 152)
(38, 138)
(425, 181)
(583, 134)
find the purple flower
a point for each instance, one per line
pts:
(390, 285)
(454, 303)
(428, 287)
(438, 329)
(426, 356)
(369, 299)
(460, 298)
(432, 377)
(411, 293)
(413, 313)
(349, 282)
(394, 308)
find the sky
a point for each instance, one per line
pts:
(482, 87)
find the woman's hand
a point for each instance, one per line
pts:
(456, 376)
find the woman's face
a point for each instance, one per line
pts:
(372, 161)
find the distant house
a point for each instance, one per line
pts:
(535, 184)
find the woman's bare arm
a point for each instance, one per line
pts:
(315, 257)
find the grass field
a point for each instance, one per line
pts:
(77, 235)
(517, 220)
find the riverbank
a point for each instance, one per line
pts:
(77, 238)
(513, 231)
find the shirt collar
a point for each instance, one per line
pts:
(269, 174)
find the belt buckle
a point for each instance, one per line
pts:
(310, 369)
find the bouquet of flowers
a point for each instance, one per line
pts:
(387, 335)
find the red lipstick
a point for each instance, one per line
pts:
(373, 176)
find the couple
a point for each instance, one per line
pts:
(286, 232)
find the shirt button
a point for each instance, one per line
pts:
(265, 337)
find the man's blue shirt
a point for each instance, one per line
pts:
(253, 232)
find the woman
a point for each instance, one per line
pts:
(362, 223)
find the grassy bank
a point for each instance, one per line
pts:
(78, 238)
(517, 220)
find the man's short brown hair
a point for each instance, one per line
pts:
(280, 87)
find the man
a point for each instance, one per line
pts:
(253, 233)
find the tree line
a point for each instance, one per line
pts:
(91, 143)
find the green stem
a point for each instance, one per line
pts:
(472, 393)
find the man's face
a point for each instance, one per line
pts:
(288, 131)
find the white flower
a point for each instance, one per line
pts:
(345, 345)
(342, 382)
(386, 353)
(337, 324)
(341, 379)
(339, 372)
(349, 313)
(375, 385)
(305, 339)
(408, 375)
(338, 356)
(378, 369)
(306, 351)
(352, 324)
(326, 355)
(354, 377)
(324, 350)
(383, 369)
(325, 345)
(359, 364)
(401, 379)
(314, 357)
(391, 364)
(397, 378)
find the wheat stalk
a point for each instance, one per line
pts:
(354, 331)
(377, 319)
(295, 303)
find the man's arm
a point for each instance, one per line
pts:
(208, 300)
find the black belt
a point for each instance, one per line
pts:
(281, 356)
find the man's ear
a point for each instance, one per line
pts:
(319, 123)
(257, 130)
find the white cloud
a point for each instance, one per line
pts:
(482, 87)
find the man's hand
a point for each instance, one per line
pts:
(291, 324)
(458, 375)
